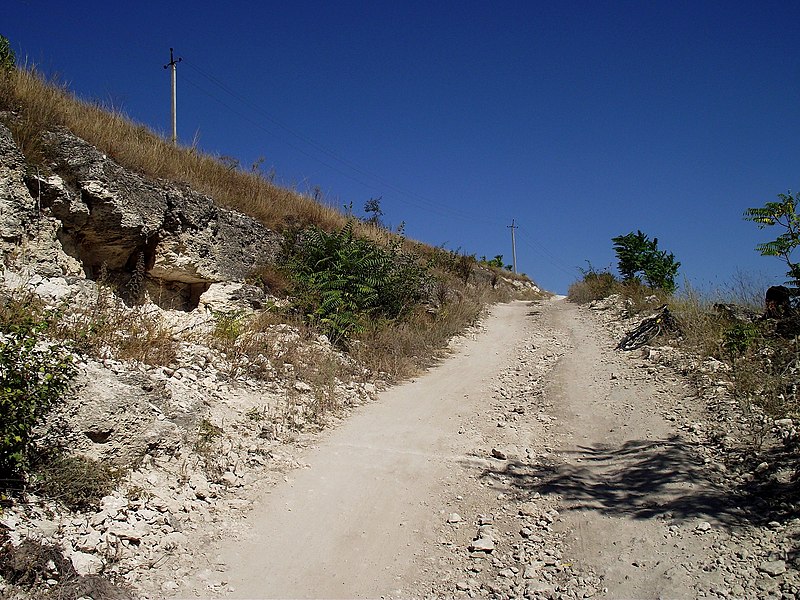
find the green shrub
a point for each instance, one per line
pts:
(34, 374)
(638, 254)
(228, 325)
(8, 61)
(739, 337)
(342, 281)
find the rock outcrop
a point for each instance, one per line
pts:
(89, 216)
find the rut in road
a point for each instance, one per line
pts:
(367, 517)
(626, 475)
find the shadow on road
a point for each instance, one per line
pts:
(642, 479)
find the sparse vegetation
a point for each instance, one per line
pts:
(595, 285)
(761, 354)
(75, 481)
(207, 435)
(36, 355)
(104, 326)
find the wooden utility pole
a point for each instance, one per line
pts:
(512, 227)
(174, 64)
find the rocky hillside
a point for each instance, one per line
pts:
(193, 378)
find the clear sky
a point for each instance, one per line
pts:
(578, 120)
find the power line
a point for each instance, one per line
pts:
(541, 249)
(361, 175)
(405, 195)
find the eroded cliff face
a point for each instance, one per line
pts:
(88, 217)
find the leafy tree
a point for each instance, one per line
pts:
(784, 215)
(638, 254)
(7, 59)
(373, 208)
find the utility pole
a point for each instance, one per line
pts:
(174, 64)
(512, 227)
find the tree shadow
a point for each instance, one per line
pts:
(643, 479)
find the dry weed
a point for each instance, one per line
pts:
(35, 105)
(594, 286)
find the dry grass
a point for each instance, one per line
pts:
(764, 367)
(75, 481)
(702, 328)
(40, 106)
(595, 285)
(408, 346)
(105, 327)
(100, 327)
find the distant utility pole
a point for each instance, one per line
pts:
(512, 227)
(174, 64)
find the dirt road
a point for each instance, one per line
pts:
(534, 462)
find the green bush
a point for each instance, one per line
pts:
(342, 281)
(34, 374)
(8, 61)
(229, 325)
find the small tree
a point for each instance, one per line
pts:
(784, 215)
(638, 254)
(497, 261)
(373, 208)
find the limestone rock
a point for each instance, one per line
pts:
(113, 419)
(86, 564)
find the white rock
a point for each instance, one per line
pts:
(230, 478)
(482, 545)
(126, 531)
(113, 504)
(199, 484)
(86, 564)
(532, 570)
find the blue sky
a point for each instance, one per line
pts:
(579, 120)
